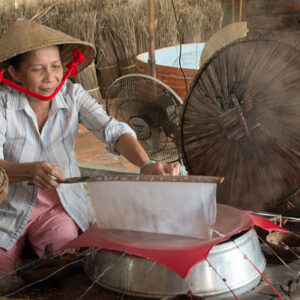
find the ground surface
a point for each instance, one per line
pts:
(74, 284)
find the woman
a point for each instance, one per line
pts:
(37, 140)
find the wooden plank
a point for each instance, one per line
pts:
(272, 7)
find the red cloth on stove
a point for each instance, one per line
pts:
(179, 254)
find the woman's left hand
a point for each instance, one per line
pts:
(162, 168)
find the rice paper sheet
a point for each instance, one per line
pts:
(176, 208)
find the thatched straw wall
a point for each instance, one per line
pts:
(119, 28)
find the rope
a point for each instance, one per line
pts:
(105, 87)
(263, 276)
(92, 65)
(30, 264)
(276, 255)
(180, 46)
(108, 67)
(43, 279)
(93, 90)
(224, 280)
(101, 275)
(128, 67)
(287, 247)
(260, 273)
(34, 264)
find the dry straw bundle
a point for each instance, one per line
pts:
(198, 20)
(123, 33)
(122, 22)
(107, 62)
(8, 13)
(114, 43)
(166, 32)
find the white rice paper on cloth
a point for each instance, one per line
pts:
(176, 208)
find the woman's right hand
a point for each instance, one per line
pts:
(47, 175)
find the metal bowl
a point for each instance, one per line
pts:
(138, 276)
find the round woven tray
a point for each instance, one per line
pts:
(3, 185)
(241, 120)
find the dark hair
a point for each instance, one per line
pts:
(16, 61)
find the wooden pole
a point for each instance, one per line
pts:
(233, 7)
(151, 59)
(241, 10)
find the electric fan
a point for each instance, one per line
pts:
(152, 109)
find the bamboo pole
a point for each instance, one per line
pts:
(151, 60)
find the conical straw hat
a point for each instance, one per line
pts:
(222, 38)
(24, 36)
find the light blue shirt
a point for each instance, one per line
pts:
(21, 141)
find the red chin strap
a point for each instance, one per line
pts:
(72, 68)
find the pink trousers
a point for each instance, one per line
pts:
(49, 223)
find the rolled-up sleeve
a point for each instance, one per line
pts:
(96, 120)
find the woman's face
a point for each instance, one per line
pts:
(41, 71)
